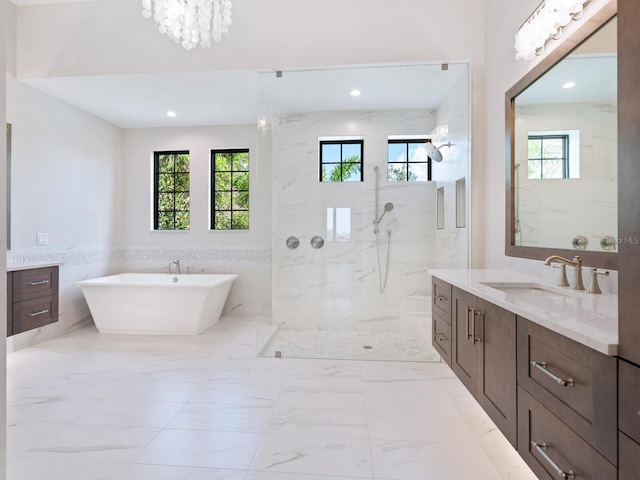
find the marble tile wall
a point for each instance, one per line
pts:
(338, 287)
(452, 244)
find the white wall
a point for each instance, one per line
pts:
(246, 253)
(65, 181)
(3, 230)
(337, 287)
(267, 35)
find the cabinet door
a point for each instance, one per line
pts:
(496, 388)
(464, 363)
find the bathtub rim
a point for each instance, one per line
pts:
(120, 280)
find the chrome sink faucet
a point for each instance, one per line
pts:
(576, 263)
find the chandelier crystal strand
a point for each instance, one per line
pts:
(190, 22)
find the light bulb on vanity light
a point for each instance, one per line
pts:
(568, 85)
(171, 114)
(355, 92)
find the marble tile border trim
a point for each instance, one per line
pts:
(90, 256)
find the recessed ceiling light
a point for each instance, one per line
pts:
(355, 92)
(171, 113)
(569, 85)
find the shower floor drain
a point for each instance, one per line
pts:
(367, 347)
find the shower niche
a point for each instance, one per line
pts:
(379, 234)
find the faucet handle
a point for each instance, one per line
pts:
(593, 283)
(563, 281)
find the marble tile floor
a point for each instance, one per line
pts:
(87, 406)
(388, 346)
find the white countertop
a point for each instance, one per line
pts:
(14, 267)
(589, 319)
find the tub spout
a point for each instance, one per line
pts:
(177, 264)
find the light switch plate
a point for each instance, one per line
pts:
(42, 238)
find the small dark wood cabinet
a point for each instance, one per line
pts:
(32, 299)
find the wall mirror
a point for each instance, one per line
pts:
(562, 195)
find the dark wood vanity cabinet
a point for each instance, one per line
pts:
(484, 357)
(553, 398)
(32, 299)
(576, 385)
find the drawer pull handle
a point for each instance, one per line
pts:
(41, 282)
(542, 366)
(541, 447)
(440, 298)
(41, 312)
(440, 337)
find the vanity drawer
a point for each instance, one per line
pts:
(441, 292)
(35, 283)
(558, 447)
(442, 338)
(574, 382)
(629, 462)
(629, 399)
(34, 313)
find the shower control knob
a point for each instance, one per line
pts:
(293, 243)
(317, 242)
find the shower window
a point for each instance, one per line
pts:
(230, 189)
(171, 190)
(407, 161)
(341, 160)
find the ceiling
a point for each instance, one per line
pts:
(232, 97)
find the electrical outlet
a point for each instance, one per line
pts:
(42, 238)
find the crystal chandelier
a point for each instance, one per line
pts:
(546, 23)
(190, 22)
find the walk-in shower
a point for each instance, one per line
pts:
(366, 293)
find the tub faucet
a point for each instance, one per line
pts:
(576, 263)
(177, 264)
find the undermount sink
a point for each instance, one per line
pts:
(532, 289)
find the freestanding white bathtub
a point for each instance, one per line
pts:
(156, 303)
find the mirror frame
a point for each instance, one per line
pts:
(589, 257)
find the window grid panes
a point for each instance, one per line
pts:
(548, 157)
(341, 160)
(230, 189)
(171, 190)
(407, 161)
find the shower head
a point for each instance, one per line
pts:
(434, 152)
(387, 208)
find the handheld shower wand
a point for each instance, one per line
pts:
(387, 208)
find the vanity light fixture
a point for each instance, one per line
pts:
(546, 23)
(355, 92)
(569, 85)
(190, 22)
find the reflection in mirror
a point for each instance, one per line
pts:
(564, 151)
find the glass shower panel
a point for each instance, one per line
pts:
(330, 298)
